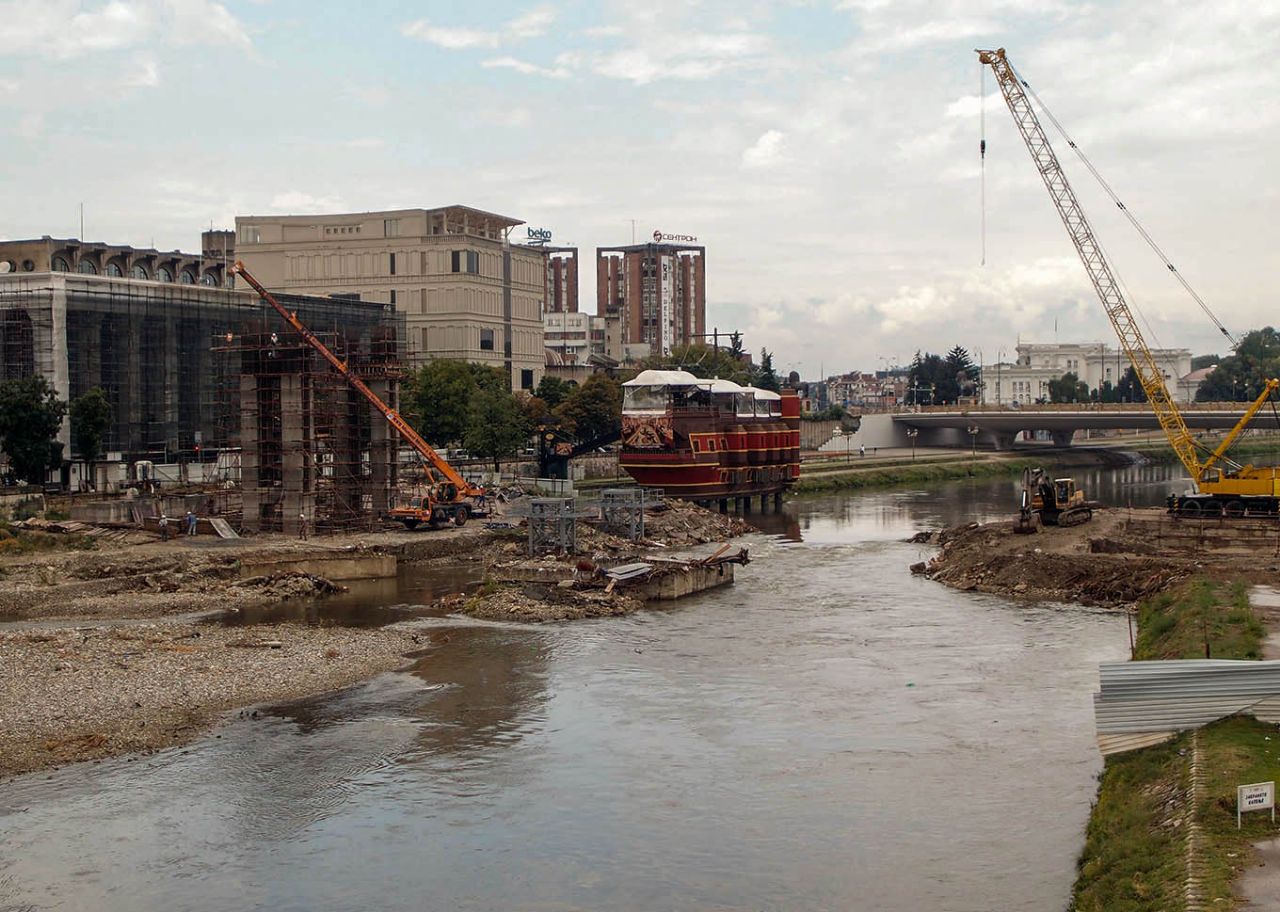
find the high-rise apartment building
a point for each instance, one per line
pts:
(658, 292)
(562, 279)
(464, 290)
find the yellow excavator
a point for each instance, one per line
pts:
(1050, 502)
(1223, 486)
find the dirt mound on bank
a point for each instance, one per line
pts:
(1100, 563)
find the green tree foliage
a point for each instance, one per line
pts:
(766, 377)
(90, 418)
(30, 417)
(1202, 361)
(1068, 388)
(1241, 375)
(437, 397)
(736, 351)
(1129, 389)
(496, 424)
(593, 409)
(553, 390)
(927, 374)
(961, 375)
(702, 361)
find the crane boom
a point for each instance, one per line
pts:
(1149, 375)
(413, 438)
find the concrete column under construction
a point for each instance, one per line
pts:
(250, 455)
(383, 455)
(297, 475)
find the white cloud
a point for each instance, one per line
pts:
(664, 55)
(532, 24)
(146, 75)
(528, 69)
(65, 29)
(296, 202)
(365, 142)
(767, 151)
(30, 126)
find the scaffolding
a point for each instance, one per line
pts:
(311, 449)
(622, 510)
(553, 525)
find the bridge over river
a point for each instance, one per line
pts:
(998, 426)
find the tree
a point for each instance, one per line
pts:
(702, 361)
(1202, 361)
(736, 351)
(437, 398)
(1129, 389)
(1242, 375)
(30, 417)
(960, 376)
(594, 408)
(925, 379)
(1068, 388)
(766, 377)
(496, 425)
(90, 418)
(553, 390)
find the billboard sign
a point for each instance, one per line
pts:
(667, 302)
(659, 237)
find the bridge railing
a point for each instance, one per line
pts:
(1070, 407)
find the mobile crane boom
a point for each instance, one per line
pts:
(413, 438)
(1246, 482)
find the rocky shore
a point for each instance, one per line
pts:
(100, 654)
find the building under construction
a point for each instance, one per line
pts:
(204, 376)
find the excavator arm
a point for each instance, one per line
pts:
(1104, 281)
(412, 437)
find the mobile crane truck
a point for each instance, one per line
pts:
(448, 498)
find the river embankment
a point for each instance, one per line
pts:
(1162, 831)
(121, 649)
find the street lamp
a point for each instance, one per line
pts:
(973, 445)
(913, 433)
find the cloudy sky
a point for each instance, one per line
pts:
(825, 152)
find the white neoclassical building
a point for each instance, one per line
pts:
(1027, 379)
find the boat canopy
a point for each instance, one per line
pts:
(652, 392)
(767, 402)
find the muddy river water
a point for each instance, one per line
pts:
(829, 733)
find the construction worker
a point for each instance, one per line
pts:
(191, 523)
(164, 527)
(302, 526)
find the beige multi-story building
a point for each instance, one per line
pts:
(1027, 380)
(465, 291)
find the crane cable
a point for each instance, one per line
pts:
(1125, 209)
(982, 152)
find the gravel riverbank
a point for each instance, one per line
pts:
(79, 693)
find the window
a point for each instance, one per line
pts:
(87, 267)
(393, 263)
(114, 270)
(486, 340)
(393, 296)
(61, 265)
(526, 379)
(465, 261)
(139, 271)
(250, 234)
(208, 279)
(187, 277)
(391, 227)
(345, 296)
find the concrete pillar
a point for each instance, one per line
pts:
(777, 501)
(764, 503)
(1003, 440)
(724, 505)
(382, 449)
(1062, 438)
(296, 458)
(49, 334)
(250, 455)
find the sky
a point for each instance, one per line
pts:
(826, 153)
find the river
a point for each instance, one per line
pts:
(829, 733)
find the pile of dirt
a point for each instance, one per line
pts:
(681, 522)
(539, 604)
(291, 584)
(1094, 564)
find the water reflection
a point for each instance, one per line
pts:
(828, 733)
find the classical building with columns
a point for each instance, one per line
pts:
(1027, 379)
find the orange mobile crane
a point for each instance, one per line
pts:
(449, 497)
(1224, 486)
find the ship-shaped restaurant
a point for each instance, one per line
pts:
(709, 440)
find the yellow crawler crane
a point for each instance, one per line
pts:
(1223, 485)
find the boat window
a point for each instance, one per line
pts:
(637, 399)
(746, 404)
